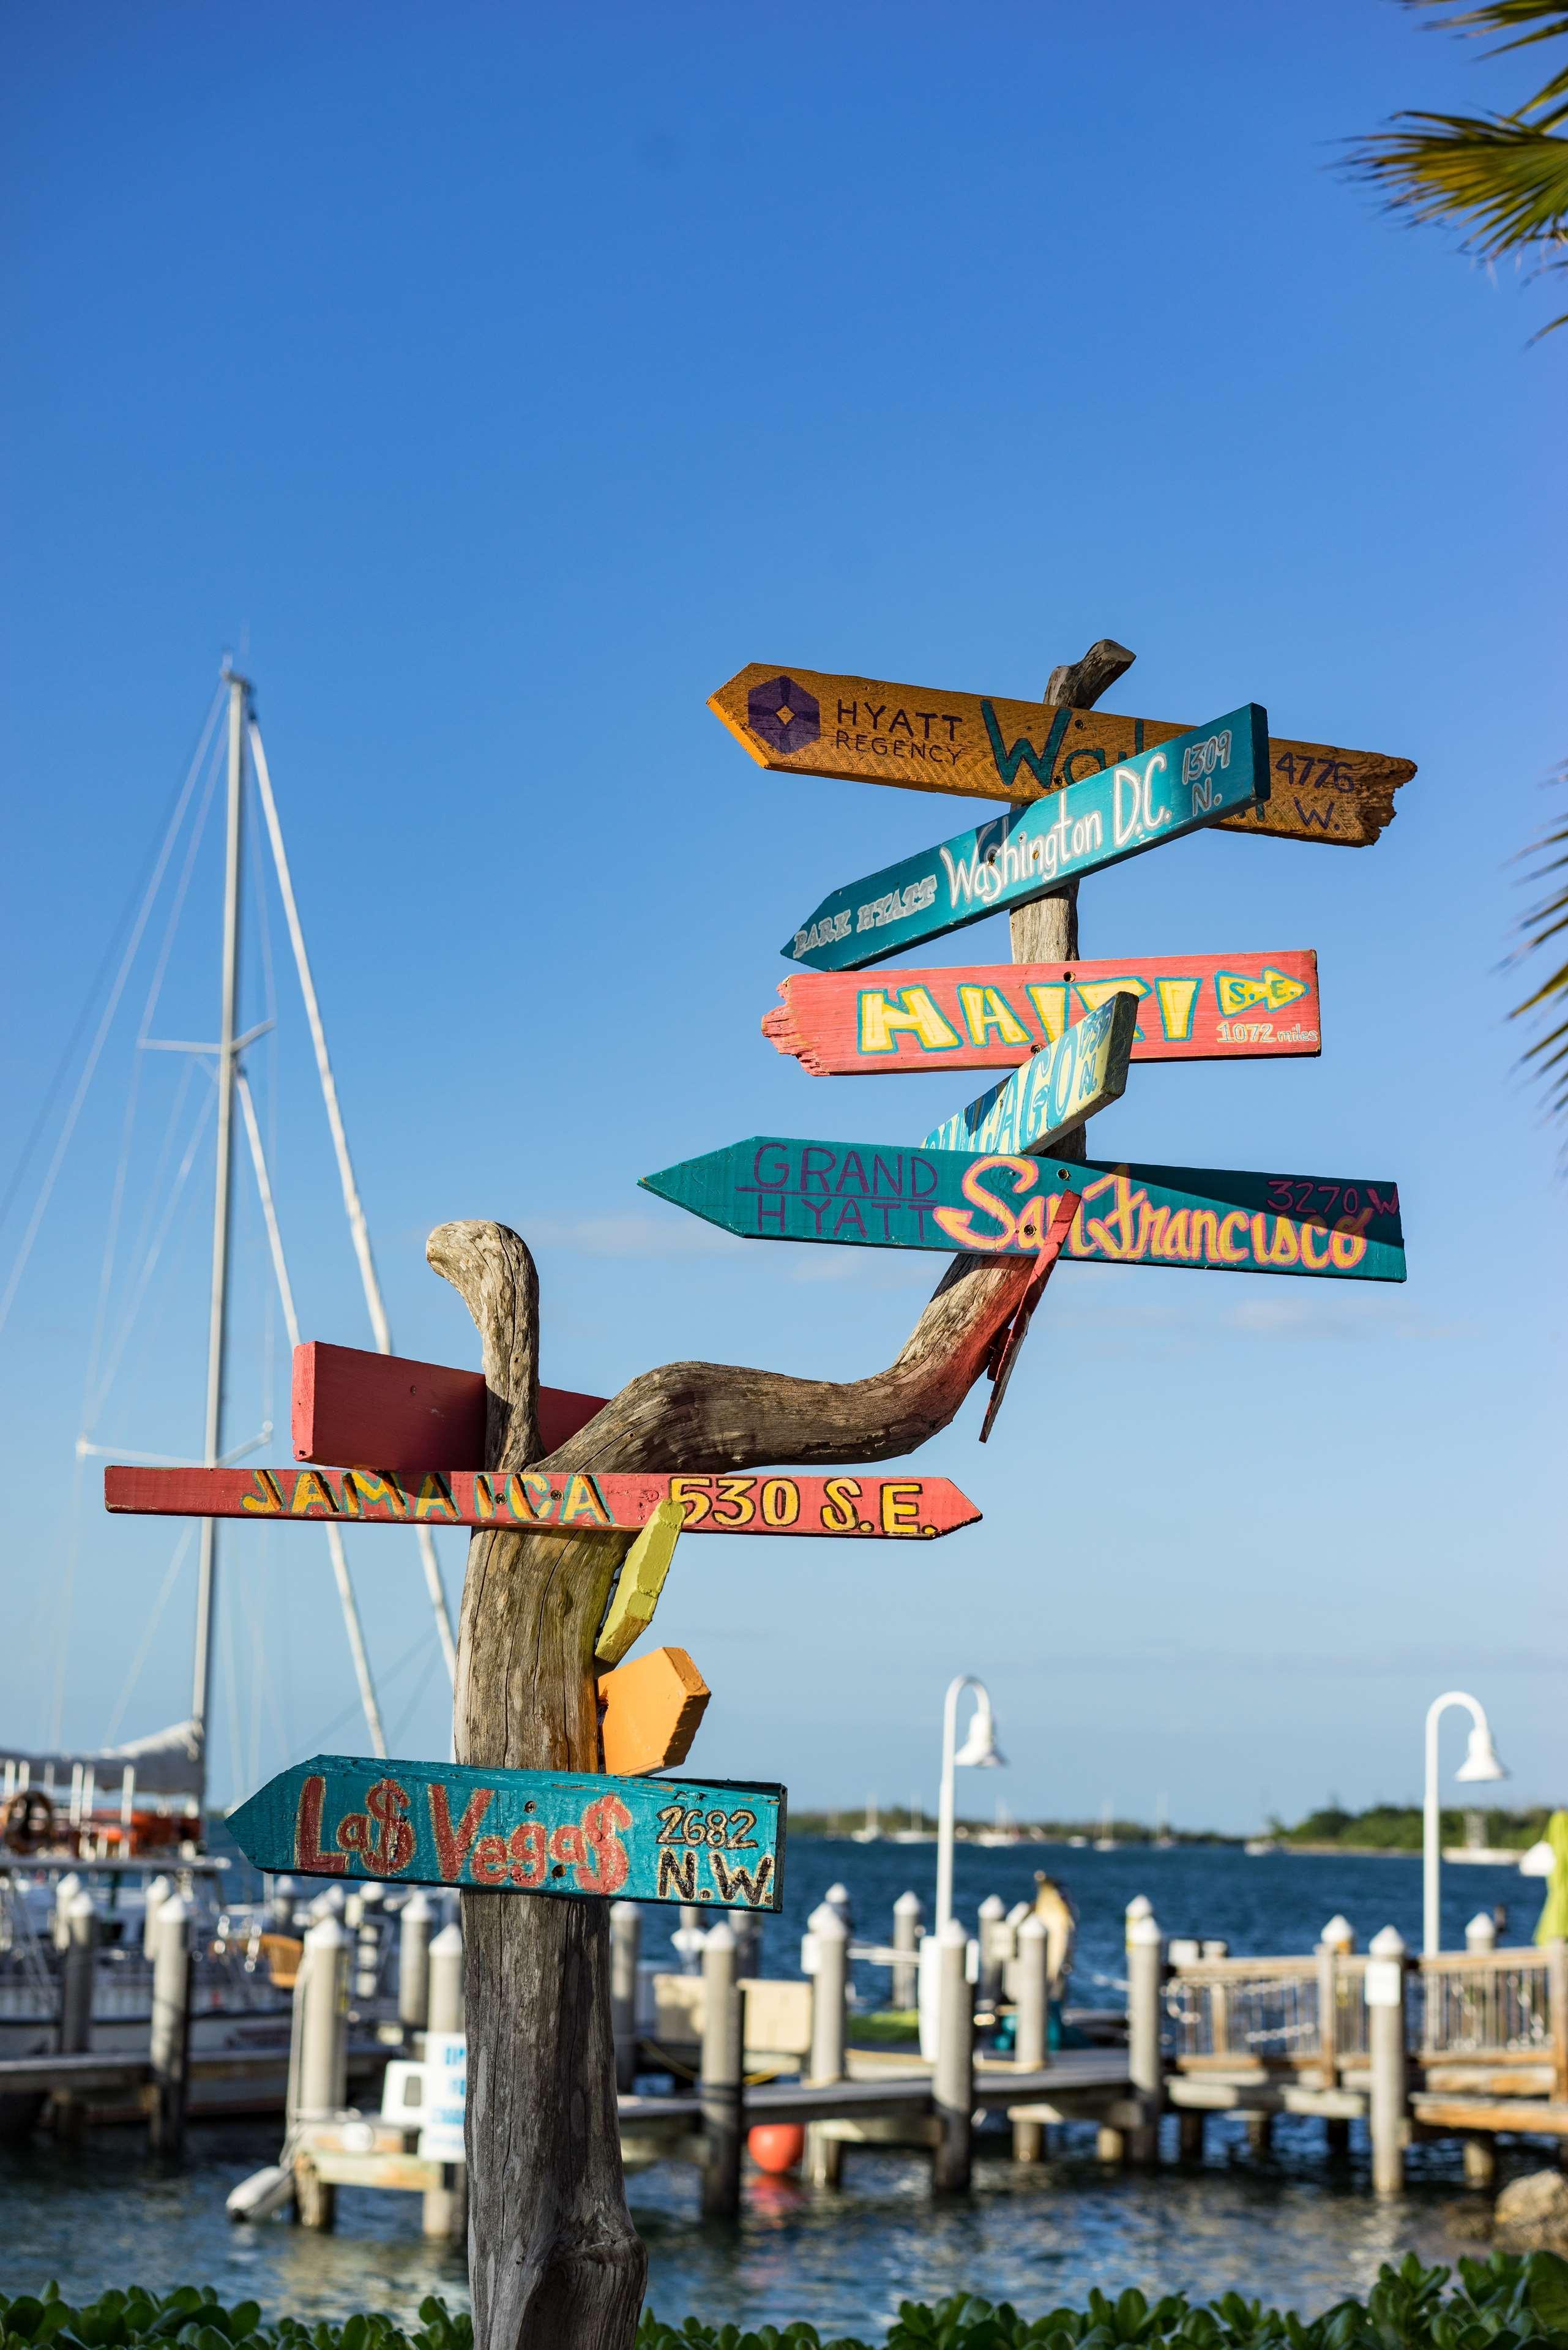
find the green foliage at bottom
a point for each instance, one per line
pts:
(1491, 2306)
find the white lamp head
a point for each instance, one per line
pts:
(980, 1751)
(1481, 1758)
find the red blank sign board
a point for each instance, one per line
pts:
(358, 1411)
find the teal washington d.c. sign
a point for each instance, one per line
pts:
(572, 1832)
(1194, 779)
(874, 1195)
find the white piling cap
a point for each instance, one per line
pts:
(327, 1934)
(720, 1938)
(1019, 1911)
(625, 1910)
(838, 1895)
(952, 1936)
(908, 1905)
(1339, 1933)
(1142, 1931)
(993, 1906)
(1140, 1905)
(1388, 1944)
(416, 1908)
(830, 1922)
(1034, 1924)
(450, 1939)
(1482, 1927)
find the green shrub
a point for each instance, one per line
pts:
(1494, 2305)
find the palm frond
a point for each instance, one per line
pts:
(1543, 923)
(1550, 19)
(1508, 177)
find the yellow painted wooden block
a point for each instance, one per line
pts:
(649, 1712)
(643, 1574)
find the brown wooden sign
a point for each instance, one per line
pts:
(866, 730)
(1234, 1007)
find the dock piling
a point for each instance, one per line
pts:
(1032, 1990)
(1145, 1956)
(720, 2087)
(995, 1943)
(952, 2082)
(416, 1921)
(1387, 2107)
(626, 1947)
(829, 2034)
(908, 1925)
(322, 2014)
(446, 2208)
(170, 2050)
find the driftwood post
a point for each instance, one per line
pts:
(555, 2262)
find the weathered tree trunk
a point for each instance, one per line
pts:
(554, 2262)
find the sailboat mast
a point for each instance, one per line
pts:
(223, 1208)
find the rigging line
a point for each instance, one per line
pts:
(31, 1144)
(95, 1051)
(133, 1673)
(339, 1719)
(417, 1693)
(150, 1265)
(149, 1207)
(350, 1605)
(359, 1231)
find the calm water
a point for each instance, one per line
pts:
(1295, 2229)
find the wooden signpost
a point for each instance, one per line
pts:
(559, 1503)
(803, 723)
(384, 1411)
(1236, 1007)
(1156, 796)
(559, 1506)
(562, 1833)
(868, 1195)
(1063, 1085)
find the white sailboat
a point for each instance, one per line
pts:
(108, 1817)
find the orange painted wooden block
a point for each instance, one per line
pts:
(1235, 1007)
(387, 1411)
(804, 722)
(550, 1501)
(649, 1712)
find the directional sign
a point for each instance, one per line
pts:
(867, 731)
(386, 1411)
(555, 1502)
(1238, 1008)
(1014, 858)
(1064, 1084)
(561, 1831)
(870, 1195)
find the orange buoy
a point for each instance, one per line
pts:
(776, 2146)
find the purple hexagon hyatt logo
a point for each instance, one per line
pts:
(783, 714)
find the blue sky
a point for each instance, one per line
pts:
(496, 381)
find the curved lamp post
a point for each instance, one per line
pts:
(1481, 1762)
(979, 1751)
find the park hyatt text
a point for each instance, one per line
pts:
(1157, 796)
